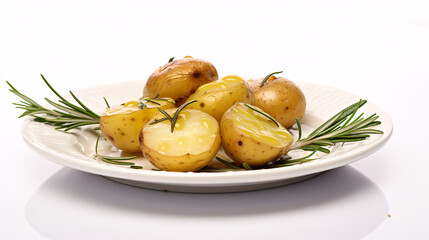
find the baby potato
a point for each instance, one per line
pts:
(251, 137)
(121, 125)
(193, 143)
(178, 79)
(216, 97)
(280, 98)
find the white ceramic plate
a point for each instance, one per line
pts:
(76, 149)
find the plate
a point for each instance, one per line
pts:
(76, 149)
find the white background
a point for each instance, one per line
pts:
(378, 50)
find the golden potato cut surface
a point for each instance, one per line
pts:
(121, 125)
(216, 97)
(192, 145)
(252, 138)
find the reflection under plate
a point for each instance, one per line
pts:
(339, 204)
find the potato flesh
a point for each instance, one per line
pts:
(259, 127)
(216, 97)
(193, 134)
(121, 125)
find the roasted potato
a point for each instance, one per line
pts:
(280, 98)
(178, 79)
(249, 136)
(121, 125)
(193, 143)
(216, 97)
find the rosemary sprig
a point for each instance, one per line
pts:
(173, 119)
(228, 166)
(287, 160)
(65, 115)
(151, 101)
(158, 120)
(107, 103)
(267, 77)
(156, 98)
(341, 128)
(142, 104)
(114, 160)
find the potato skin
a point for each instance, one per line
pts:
(243, 148)
(280, 98)
(187, 162)
(217, 102)
(122, 129)
(178, 79)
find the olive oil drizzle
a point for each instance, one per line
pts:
(263, 114)
(173, 119)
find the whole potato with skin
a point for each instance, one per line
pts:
(121, 125)
(178, 79)
(216, 97)
(280, 98)
(250, 137)
(193, 143)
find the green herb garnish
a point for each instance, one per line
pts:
(262, 113)
(66, 115)
(230, 165)
(341, 128)
(142, 104)
(267, 77)
(287, 160)
(114, 160)
(152, 100)
(173, 119)
(107, 103)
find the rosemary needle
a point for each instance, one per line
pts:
(113, 160)
(267, 77)
(173, 119)
(262, 113)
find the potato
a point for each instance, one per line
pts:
(252, 138)
(178, 79)
(216, 97)
(280, 98)
(121, 125)
(194, 142)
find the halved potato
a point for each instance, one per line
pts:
(192, 145)
(250, 137)
(216, 97)
(121, 125)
